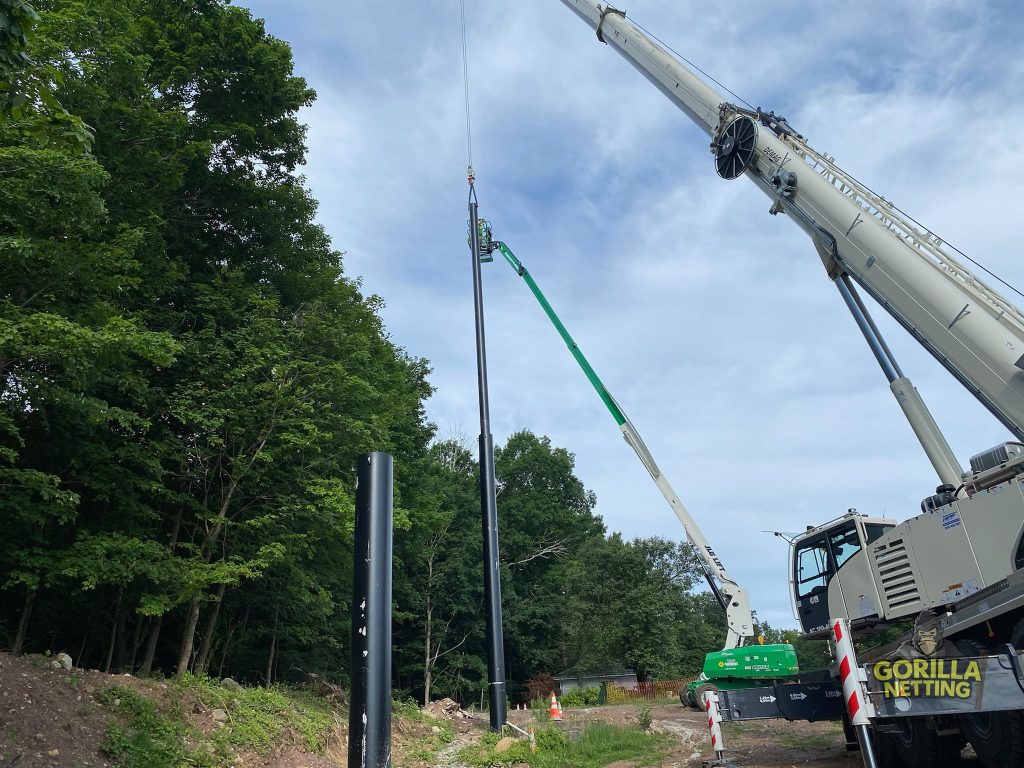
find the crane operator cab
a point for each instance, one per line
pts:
(830, 574)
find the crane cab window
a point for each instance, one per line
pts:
(875, 531)
(845, 544)
(812, 568)
(819, 558)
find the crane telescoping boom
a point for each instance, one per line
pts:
(875, 569)
(731, 596)
(964, 323)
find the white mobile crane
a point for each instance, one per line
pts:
(956, 566)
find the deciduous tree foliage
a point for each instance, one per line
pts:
(187, 376)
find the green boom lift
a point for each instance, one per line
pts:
(742, 663)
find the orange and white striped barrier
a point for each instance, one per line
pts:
(714, 722)
(858, 704)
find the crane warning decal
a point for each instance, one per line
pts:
(950, 678)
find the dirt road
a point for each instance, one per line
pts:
(755, 744)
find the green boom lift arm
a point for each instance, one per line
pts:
(732, 597)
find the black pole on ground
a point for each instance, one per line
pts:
(488, 506)
(370, 712)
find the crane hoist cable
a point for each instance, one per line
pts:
(470, 173)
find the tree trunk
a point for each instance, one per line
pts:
(121, 646)
(273, 648)
(81, 649)
(203, 660)
(227, 644)
(151, 641)
(428, 667)
(270, 660)
(154, 631)
(277, 660)
(110, 646)
(26, 614)
(136, 642)
(113, 634)
(188, 637)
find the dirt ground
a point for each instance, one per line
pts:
(754, 744)
(751, 744)
(49, 717)
(52, 718)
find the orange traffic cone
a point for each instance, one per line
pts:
(555, 710)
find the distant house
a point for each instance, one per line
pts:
(569, 680)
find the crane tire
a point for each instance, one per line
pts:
(997, 737)
(1017, 635)
(691, 700)
(698, 695)
(917, 745)
(884, 747)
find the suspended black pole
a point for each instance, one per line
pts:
(369, 720)
(488, 506)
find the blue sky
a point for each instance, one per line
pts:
(712, 322)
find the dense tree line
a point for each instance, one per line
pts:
(187, 376)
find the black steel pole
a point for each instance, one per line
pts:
(488, 507)
(369, 721)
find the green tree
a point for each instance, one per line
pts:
(441, 561)
(74, 358)
(181, 329)
(545, 515)
(631, 606)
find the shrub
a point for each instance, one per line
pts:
(550, 740)
(572, 698)
(643, 718)
(540, 686)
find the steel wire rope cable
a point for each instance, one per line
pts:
(896, 208)
(470, 173)
(911, 219)
(685, 60)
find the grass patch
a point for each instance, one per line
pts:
(147, 739)
(257, 718)
(745, 727)
(426, 747)
(811, 741)
(599, 745)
